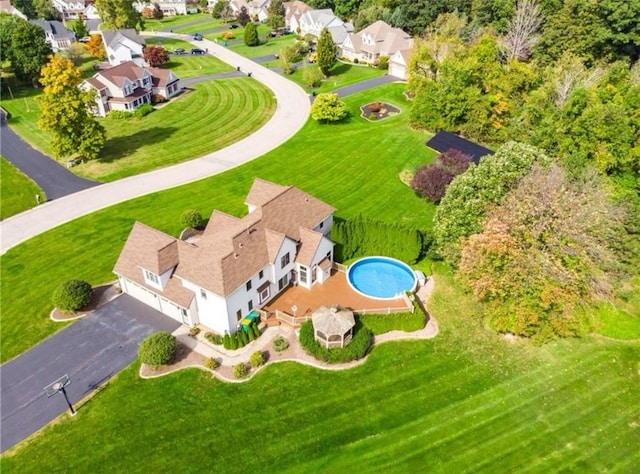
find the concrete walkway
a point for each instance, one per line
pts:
(292, 111)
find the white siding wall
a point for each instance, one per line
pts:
(212, 310)
(325, 226)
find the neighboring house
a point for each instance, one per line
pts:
(6, 7)
(91, 13)
(56, 34)
(255, 8)
(238, 265)
(293, 11)
(129, 86)
(168, 7)
(122, 46)
(399, 64)
(314, 21)
(444, 141)
(378, 39)
(69, 9)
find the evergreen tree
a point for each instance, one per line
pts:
(251, 35)
(79, 27)
(275, 14)
(327, 52)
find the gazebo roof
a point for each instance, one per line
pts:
(332, 320)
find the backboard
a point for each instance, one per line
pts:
(57, 385)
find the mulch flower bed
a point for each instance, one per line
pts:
(101, 295)
(378, 110)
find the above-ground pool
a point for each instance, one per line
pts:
(381, 278)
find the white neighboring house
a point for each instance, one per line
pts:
(238, 265)
(123, 45)
(56, 34)
(6, 7)
(378, 39)
(69, 9)
(127, 86)
(399, 64)
(168, 7)
(293, 11)
(313, 21)
(255, 8)
(91, 13)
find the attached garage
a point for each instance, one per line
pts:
(140, 293)
(398, 64)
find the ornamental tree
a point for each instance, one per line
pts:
(156, 56)
(328, 108)
(72, 295)
(118, 14)
(251, 35)
(95, 47)
(326, 52)
(431, 180)
(65, 111)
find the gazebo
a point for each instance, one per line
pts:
(333, 326)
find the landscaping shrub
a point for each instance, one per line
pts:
(381, 323)
(213, 338)
(279, 344)
(226, 342)
(233, 345)
(372, 116)
(242, 336)
(358, 237)
(191, 218)
(257, 359)
(312, 76)
(240, 370)
(72, 295)
(157, 349)
(194, 331)
(211, 363)
(256, 330)
(356, 61)
(383, 63)
(227, 35)
(251, 335)
(143, 110)
(328, 107)
(119, 114)
(158, 99)
(356, 349)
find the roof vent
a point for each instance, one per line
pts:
(235, 255)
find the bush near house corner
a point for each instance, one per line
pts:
(356, 349)
(361, 236)
(72, 295)
(191, 218)
(157, 349)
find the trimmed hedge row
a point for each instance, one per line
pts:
(360, 236)
(356, 349)
(381, 323)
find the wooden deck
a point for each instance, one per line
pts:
(335, 290)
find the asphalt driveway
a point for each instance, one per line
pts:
(91, 351)
(55, 180)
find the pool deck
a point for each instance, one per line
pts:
(335, 290)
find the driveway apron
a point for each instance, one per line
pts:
(91, 351)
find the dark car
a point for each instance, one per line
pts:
(233, 26)
(179, 51)
(197, 51)
(197, 36)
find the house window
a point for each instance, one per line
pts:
(284, 281)
(250, 305)
(321, 224)
(264, 294)
(203, 294)
(329, 255)
(183, 312)
(284, 261)
(239, 315)
(248, 285)
(303, 274)
(261, 274)
(152, 277)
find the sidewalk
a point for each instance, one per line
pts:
(292, 111)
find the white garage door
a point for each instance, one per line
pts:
(398, 70)
(143, 295)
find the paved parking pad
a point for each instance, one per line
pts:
(91, 351)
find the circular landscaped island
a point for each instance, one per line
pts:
(378, 111)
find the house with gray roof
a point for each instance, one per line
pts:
(127, 87)
(314, 21)
(123, 45)
(237, 265)
(378, 39)
(56, 34)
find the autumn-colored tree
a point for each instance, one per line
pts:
(156, 56)
(95, 47)
(65, 111)
(431, 180)
(545, 250)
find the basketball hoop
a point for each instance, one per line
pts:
(59, 386)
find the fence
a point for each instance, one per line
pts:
(294, 321)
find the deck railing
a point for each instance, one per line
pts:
(339, 267)
(294, 321)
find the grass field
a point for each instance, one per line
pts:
(466, 401)
(214, 115)
(342, 74)
(175, 22)
(272, 46)
(18, 192)
(188, 65)
(354, 166)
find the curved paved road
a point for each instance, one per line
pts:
(52, 178)
(292, 111)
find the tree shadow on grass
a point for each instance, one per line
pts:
(340, 68)
(125, 145)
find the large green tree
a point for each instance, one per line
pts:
(79, 27)
(45, 10)
(24, 45)
(251, 35)
(326, 52)
(275, 14)
(117, 14)
(328, 108)
(65, 111)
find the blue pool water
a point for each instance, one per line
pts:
(381, 277)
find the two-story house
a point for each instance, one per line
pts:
(123, 45)
(127, 86)
(238, 265)
(56, 34)
(69, 9)
(378, 39)
(292, 13)
(168, 7)
(314, 21)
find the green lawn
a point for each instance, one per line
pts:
(18, 192)
(465, 401)
(174, 22)
(354, 166)
(188, 65)
(342, 74)
(238, 33)
(212, 116)
(272, 46)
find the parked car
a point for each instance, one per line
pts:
(233, 26)
(197, 36)
(197, 51)
(85, 39)
(179, 51)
